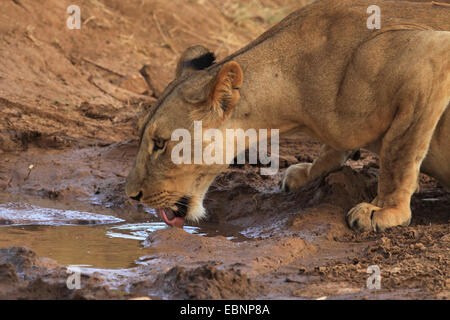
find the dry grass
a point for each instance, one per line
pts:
(228, 24)
(151, 25)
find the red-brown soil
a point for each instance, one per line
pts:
(70, 101)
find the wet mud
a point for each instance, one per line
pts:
(70, 104)
(257, 242)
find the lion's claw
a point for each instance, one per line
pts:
(367, 217)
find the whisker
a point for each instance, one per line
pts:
(182, 204)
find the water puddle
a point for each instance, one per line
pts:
(75, 245)
(84, 237)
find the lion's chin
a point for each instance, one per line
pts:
(170, 218)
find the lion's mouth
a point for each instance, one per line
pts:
(175, 218)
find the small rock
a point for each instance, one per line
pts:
(420, 246)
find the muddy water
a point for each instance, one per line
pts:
(87, 236)
(74, 245)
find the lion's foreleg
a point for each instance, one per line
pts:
(403, 149)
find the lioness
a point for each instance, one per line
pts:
(323, 72)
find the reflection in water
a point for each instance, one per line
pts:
(27, 214)
(75, 245)
(140, 231)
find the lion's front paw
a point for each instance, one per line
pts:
(367, 217)
(295, 177)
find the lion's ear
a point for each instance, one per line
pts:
(193, 59)
(214, 96)
(224, 93)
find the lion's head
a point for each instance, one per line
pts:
(202, 91)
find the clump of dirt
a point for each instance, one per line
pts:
(24, 262)
(24, 275)
(208, 282)
(243, 197)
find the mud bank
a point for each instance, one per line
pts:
(257, 241)
(70, 103)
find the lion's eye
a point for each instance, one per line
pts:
(158, 144)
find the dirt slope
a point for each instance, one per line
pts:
(69, 103)
(61, 87)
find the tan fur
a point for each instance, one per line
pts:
(224, 94)
(322, 72)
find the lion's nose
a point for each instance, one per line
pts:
(138, 197)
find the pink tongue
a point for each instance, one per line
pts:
(170, 219)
